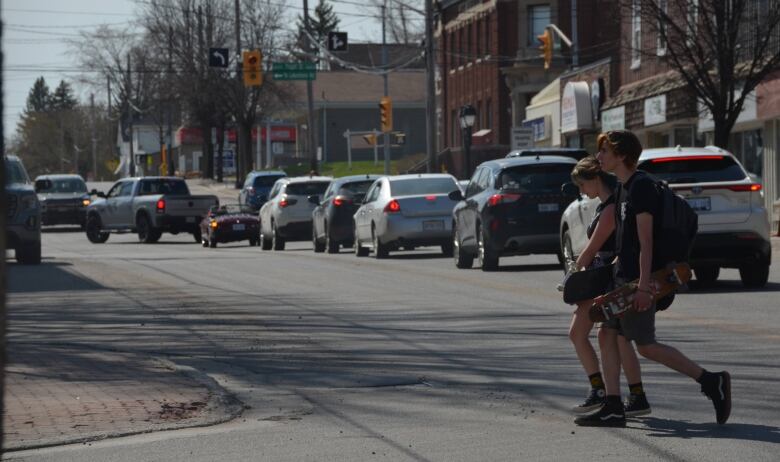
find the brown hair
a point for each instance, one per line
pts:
(589, 168)
(623, 143)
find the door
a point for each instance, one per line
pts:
(124, 205)
(267, 208)
(108, 217)
(467, 226)
(362, 217)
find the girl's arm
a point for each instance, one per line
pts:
(604, 228)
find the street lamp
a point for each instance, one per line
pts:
(467, 116)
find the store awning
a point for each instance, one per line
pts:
(652, 86)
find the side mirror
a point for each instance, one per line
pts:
(42, 185)
(456, 195)
(314, 199)
(571, 190)
(97, 193)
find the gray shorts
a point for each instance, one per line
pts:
(636, 326)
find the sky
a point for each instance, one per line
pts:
(35, 31)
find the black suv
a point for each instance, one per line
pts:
(512, 206)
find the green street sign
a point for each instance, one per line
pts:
(294, 71)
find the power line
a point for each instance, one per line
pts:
(91, 13)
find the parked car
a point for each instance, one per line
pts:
(733, 222)
(512, 206)
(256, 187)
(574, 153)
(148, 206)
(23, 213)
(64, 199)
(332, 222)
(287, 214)
(229, 223)
(405, 211)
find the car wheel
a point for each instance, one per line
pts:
(487, 259)
(146, 233)
(360, 251)
(93, 230)
(462, 259)
(253, 241)
(380, 250)
(197, 235)
(706, 274)
(754, 276)
(29, 253)
(566, 255)
(277, 240)
(331, 245)
(319, 247)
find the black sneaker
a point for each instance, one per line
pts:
(718, 389)
(637, 405)
(594, 401)
(607, 416)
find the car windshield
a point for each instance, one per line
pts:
(266, 181)
(14, 172)
(312, 188)
(356, 189)
(66, 185)
(694, 169)
(168, 186)
(537, 179)
(420, 186)
(227, 209)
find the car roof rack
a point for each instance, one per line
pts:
(575, 153)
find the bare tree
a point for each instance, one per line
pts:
(404, 21)
(723, 49)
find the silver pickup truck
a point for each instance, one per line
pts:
(148, 206)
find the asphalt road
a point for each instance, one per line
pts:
(354, 359)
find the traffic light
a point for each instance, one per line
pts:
(253, 68)
(386, 113)
(546, 47)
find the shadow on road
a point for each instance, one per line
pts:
(730, 287)
(62, 229)
(536, 267)
(664, 428)
(46, 277)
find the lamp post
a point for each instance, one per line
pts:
(467, 116)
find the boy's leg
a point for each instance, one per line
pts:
(636, 404)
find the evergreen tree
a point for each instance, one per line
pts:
(39, 98)
(63, 99)
(323, 21)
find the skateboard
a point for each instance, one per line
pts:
(614, 304)
(587, 284)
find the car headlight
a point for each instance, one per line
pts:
(28, 202)
(85, 202)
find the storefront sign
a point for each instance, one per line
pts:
(540, 127)
(576, 111)
(613, 119)
(655, 110)
(522, 138)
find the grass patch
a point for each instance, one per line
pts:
(339, 169)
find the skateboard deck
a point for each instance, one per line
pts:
(586, 284)
(614, 304)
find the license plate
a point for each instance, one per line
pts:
(548, 207)
(239, 227)
(190, 219)
(700, 204)
(433, 225)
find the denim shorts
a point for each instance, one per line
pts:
(636, 326)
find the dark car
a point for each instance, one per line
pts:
(256, 188)
(512, 206)
(332, 219)
(64, 199)
(229, 223)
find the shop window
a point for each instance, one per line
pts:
(538, 19)
(684, 136)
(748, 147)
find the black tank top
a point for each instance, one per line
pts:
(609, 245)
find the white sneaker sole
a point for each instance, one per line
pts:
(638, 413)
(585, 409)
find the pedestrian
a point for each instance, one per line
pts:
(638, 209)
(600, 251)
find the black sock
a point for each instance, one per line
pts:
(636, 388)
(705, 377)
(614, 401)
(596, 382)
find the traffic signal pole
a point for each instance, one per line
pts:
(384, 65)
(310, 94)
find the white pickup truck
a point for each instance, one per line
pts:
(148, 206)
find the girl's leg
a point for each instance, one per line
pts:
(579, 333)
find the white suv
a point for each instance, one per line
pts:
(733, 223)
(287, 214)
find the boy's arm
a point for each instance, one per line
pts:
(643, 298)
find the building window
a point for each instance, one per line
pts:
(455, 129)
(487, 36)
(461, 50)
(469, 44)
(636, 34)
(488, 114)
(693, 19)
(538, 19)
(662, 29)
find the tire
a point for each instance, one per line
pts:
(754, 276)
(265, 243)
(462, 259)
(253, 242)
(319, 247)
(277, 242)
(566, 255)
(380, 250)
(146, 233)
(197, 235)
(29, 253)
(707, 274)
(360, 251)
(486, 258)
(330, 245)
(213, 243)
(93, 230)
(448, 249)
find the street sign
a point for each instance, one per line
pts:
(337, 41)
(294, 71)
(522, 137)
(218, 57)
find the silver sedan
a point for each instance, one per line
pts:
(405, 211)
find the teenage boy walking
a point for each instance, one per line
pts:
(638, 206)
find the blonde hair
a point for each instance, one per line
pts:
(589, 168)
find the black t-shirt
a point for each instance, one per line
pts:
(638, 195)
(609, 245)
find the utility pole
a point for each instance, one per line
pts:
(310, 93)
(130, 117)
(94, 135)
(386, 135)
(169, 147)
(238, 158)
(430, 95)
(575, 61)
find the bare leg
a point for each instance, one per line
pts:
(629, 360)
(579, 331)
(610, 360)
(671, 358)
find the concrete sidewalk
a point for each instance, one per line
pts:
(226, 191)
(60, 394)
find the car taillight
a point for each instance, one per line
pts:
(430, 198)
(393, 207)
(250, 190)
(284, 203)
(504, 198)
(338, 201)
(745, 187)
(684, 158)
(161, 206)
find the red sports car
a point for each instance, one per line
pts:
(229, 223)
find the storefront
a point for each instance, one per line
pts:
(543, 115)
